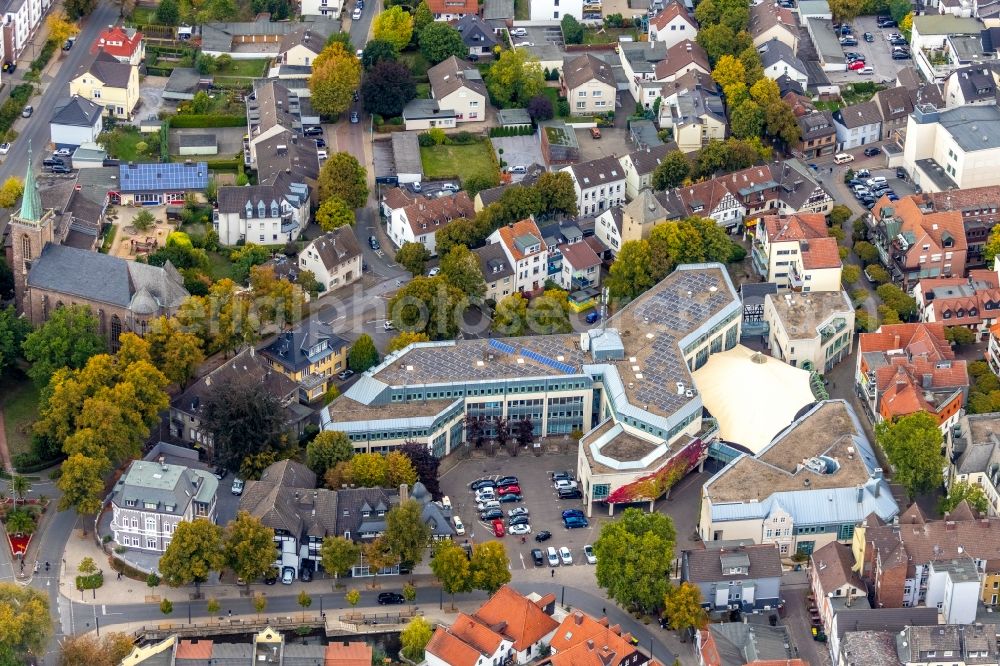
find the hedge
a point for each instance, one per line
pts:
(11, 109)
(39, 63)
(28, 463)
(512, 131)
(232, 164)
(207, 120)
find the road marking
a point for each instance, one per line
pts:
(523, 565)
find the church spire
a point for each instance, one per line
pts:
(31, 203)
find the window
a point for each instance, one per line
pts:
(150, 543)
(581, 105)
(582, 93)
(97, 94)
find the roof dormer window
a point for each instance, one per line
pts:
(261, 210)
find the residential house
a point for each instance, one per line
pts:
(581, 639)
(498, 272)
(972, 302)
(262, 214)
(246, 367)
(857, 125)
(124, 44)
(640, 164)
(599, 184)
(746, 577)
(527, 253)
(508, 626)
(680, 59)
(105, 80)
(769, 21)
(834, 583)
(978, 207)
(779, 60)
(555, 10)
(963, 644)
(915, 242)
(974, 458)
(289, 159)
(712, 199)
(334, 258)
(967, 86)
(273, 111)
(868, 634)
(957, 39)
(76, 122)
(894, 106)
(310, 354)
(154, 184)
(581, 267)
(261, 38)
(942, 152)
(638, 61)
(781, 495)
(452, 10)
(456, 85)
(795, 252)
(361, 514)
(477, 35)
(589, 85)
(425, 114)
(498, 14)
(329, 9)
(152, 497)
(672, 24)
(813, 330)
(819, 135)
(639, 216)
(414, 218)
(907, 368)
(300, 47)
(739, 644)
(267, 645)
(695, 114)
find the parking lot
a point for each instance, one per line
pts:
(537, 36)
(877, 54)
(518, 151)
(613, 141)
(539, 498)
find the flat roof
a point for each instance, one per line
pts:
(803, 314)
(936, 173)
(406, 153)
(827, 45)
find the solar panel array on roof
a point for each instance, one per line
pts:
(160, 177)
(502, 346)
(552, 363)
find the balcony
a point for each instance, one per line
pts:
(580, 282)
(760, 261)
(795, 280)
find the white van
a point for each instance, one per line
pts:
(356, 14)
(843, 158)
(459, 527)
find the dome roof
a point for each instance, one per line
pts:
(420, 493)
(143, 303)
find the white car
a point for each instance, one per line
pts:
(4, 148)
(65, 152)
(565, 556)
(434, 271)
(553, 557)
(523, 44)
(450, 187)
(287, 576)
(459, 527)
(519, 529)
(321, 154)
(237, 486)
(519, 511)
(488, 504)
(356, 14)
(519, 32)
(565, 485)
(359, 53)
(588, 552)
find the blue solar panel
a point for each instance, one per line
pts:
(160, 177)
(502, 346)
(558, 365)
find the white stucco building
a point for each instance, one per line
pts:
(953, 149)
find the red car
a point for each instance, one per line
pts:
(856, 65)
(498, 529)
(507, 490)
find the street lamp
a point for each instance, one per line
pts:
(321, 614)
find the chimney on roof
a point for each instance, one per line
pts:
(590, 643)
(578, 617)
(404, 493)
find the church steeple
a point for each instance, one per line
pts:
(31, 202)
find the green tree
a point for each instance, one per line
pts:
(752, 65)
(672, 171)
(399, 469)
(451, 567)
(460, 267)
(336, 74)
(244, 419)
(327, 449)
(305, 601)
(20, 486)
(878, 274)
(259, 603)
(898, 9)
(82, 483)
(76, 9)
(850, 274)
(846, 10)
(430, 305)
(439, 41)
(394, 25)
(352, 597)
(342, 38)
(204, 63)
(747, 120)
(781, 123)
(406, 534)
(422, 16)
(682, 604)
(338, 555)
(166, 607)
(388, 87)
(249, 547)
(838, 215)
(368, 470)
(405, 338)
(555, 192)
(489, 566)
(572, 30)
(168, 13)
(175, 352)
(866, 252)
(334, 213)
(409, 593)
(343, 177)
(13, 330)
(634, 555)
(66, 340)
(898, 300)
(413, 257)
(195, 551)
(515, 78)
(362, 354)
(959, 335)
(913, 445)
(213, 606)
(630, 273)
(549, 313)
(511, 315)
(963, 491)
(415, 637)
(378, 50)
(717, 40)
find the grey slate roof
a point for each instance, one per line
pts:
(247, 366)
(884, 619)
(77, 112)
(307, 343)
(706, 566)
(976, 82)
(235, 199)
(597, 172)
(173, 486)
(739, 643)
(498, 10)
(183, 80)
(286, 498)
(297, 158)
(406, 153)
(337, 246)
(645, 160)
(776, 51)
(816, 125)
(475, 32)
(493, 262)
(449, 75)
(858, 115)
(869, 648)
(106, 279)
(106, 69)
(582, 69)
(354, 503)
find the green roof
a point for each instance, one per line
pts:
(946, 24)
(31, 202)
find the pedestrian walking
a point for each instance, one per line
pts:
(553, 572)
(604, 611)
(230, 612)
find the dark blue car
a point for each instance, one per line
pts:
(593, 317)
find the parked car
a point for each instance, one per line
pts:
(498, 528)
(510, 497)
(901, 55)
(537, 557)
(287, 575)
(321, 154)
(901, 173)
(593, 317)
(356, 14)
(848, 41)
(553, 557)
(519, 529)
(306, 574)
(507, 490)
(869, 37)
(271, 577)
(572, 512)
(450, 187)
(63, 152)
(355, 118)
(570, 493)
(220, 472)
(315, 130)
(482, 483)
(389, 598)
(488, 504)
(373, 243)
(566, 556)
(564, 484)
(588, 553)
(574, 522)
(862, 173)
(4, 148)
(544, 535)
(27, 111)
(61, 168)
(595, 132)
(345, 374)
(561, 476)
(519, 511)
(507, 481)
(519, 32)
(237, 486)
(434, 271)
(856, 65)
(459, 527)
(520, 520)
(873, 151)
(867, 71)
(491, 514)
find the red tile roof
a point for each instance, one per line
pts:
(522, 620)
(820, 253)
(428, 215)
(199, 649)
(453, 6)
(118, 42)
(583, 641)
(348, 654)
(797, 226)
(926, 228)
(511, 232)
(669, 13)
(475, 633)
(451, 650)
(900, 336)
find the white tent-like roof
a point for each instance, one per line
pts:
(753, 396)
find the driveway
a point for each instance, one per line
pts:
(878, 54)
(229, 140)
(613, 141)
(151, 96)
(518, 151)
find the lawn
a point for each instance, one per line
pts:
(521, 10)
(121, 144)
(219, 266)
(448, 161)
(606, 35)
(246, 68)
(144, 15)
(423, 91)
(553, 95)
(417, 63)
(20, 410)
